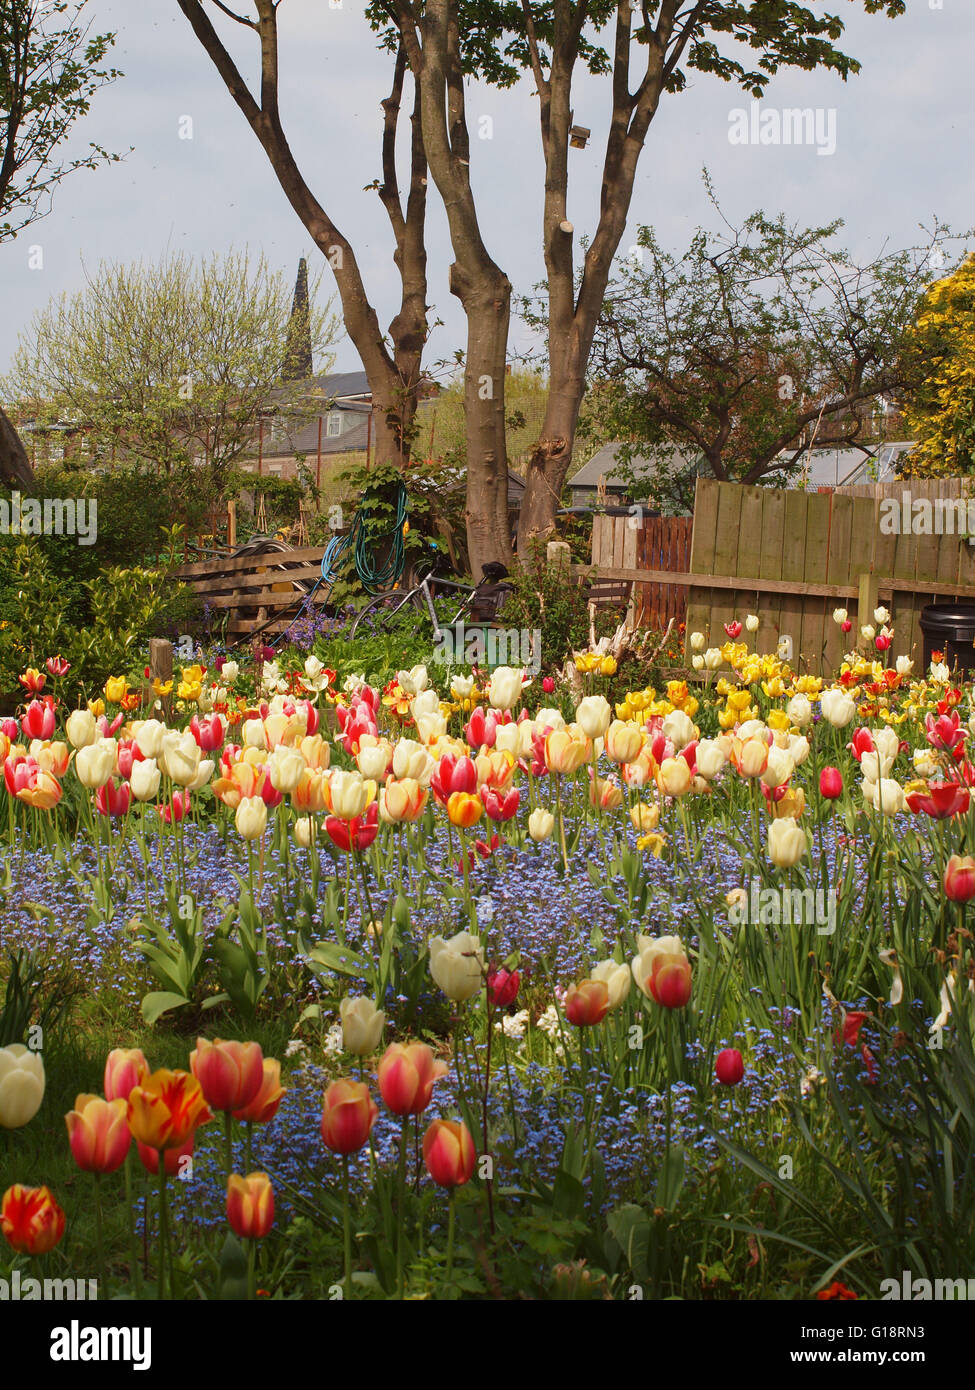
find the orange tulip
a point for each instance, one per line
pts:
(98, 1133)
(464, 810)
(407, 1074)
(31, 1219)
(230, 1073)
(125, 1068)
(244, 779)
(250, 1205)
(565, 752)
(587, 1003)
(166, 1109)
(265, 1104)
(448, 1152)
(348, 1115)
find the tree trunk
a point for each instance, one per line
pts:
(481, 286)
(15, 469)
(393, 378)
(573, 318)
(487, 306)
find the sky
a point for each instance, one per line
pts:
(903, 131)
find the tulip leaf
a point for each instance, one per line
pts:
(233, 1269)
(670, 1179)
(341, 959)
(629, 1226)
(159, 1002)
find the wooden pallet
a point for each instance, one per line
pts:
(258, 593)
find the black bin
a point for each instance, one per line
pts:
(950, 628)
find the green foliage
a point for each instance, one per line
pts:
(50, 68)
(170, 364)
(940, 410)
(36, 995)
(121, 609)
(721, 360)
(542, 599)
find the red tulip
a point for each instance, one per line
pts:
(943, 799)
(729, 1066)
(946, 731)
(453, 775)
(31, 1219)
(174, 1160)
(358, 833)
(959, 879)
(481, 730)
(862, 742)
(733, 630)
(670, 981)
(125, 1068)
(831, 783)
(348, 1116)
(448, 1152)
(499, 807)
(502, 987)
(128, 753)
(407, 1074)
(39, 719)
(112, 799)
(587, 1003)
(177, 808)
(230, 1074)
(57, 666)
(207, 731)
(250, 1205)
(548, 684)
(264, 1106)
(98, 1132)
(33, 681)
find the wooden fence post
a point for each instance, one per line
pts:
(161, 665)
(868, 598)
(558, 556)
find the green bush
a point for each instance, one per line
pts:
(121, 608)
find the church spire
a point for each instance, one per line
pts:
(298, 364)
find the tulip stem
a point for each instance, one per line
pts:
(163, 1227)
(346, 1226)
(400, 1251)
(450, 1240)
(99, 1237)
(249, 1132)
(228, 1148)
(135, 1273)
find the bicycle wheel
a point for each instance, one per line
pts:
(378, 612)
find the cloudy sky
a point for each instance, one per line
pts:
(904, 132)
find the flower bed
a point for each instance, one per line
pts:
(491, 990)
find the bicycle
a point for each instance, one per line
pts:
(489, 594)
